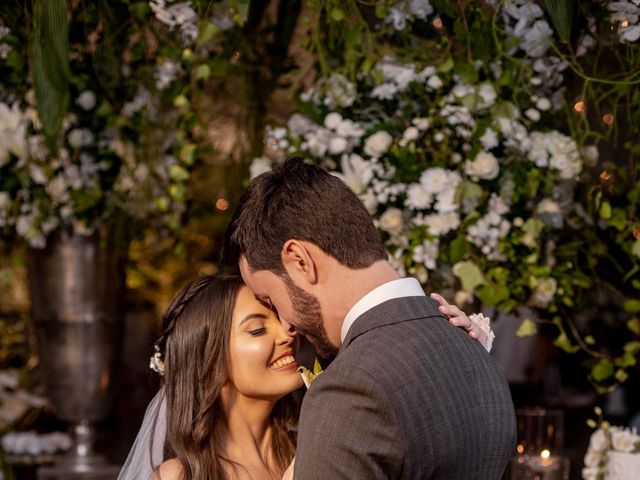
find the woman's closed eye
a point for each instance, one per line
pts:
(257, 331)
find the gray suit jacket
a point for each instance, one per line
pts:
(408, 397)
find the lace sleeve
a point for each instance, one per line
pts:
(484, 324)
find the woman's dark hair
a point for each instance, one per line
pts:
(300, 201)
(194, 347)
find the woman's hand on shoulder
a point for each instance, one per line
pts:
(479, 329)
(169, 470)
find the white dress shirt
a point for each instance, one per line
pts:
(403, 287)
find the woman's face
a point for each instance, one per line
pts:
(262, 353)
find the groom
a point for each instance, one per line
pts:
(408, 396)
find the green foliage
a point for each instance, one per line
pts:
(50, 64)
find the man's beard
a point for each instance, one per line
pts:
(308, 319)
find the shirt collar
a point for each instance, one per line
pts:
(403, 287)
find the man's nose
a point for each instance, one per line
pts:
(288, 328)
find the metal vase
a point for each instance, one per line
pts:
(77, 286)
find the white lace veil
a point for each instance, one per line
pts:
(147, 450)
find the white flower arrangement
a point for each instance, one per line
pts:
(438, 165)
(605, 459)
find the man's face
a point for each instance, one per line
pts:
(292, 304)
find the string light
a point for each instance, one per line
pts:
(605, 176)
(579, 106)
(545, 453)
(607, 118)
(222, 204)
(437, 23)
(520, 449)
(625, 23)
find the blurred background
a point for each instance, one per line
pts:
(494, 142)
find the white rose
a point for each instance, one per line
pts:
(391, 221)
(543, 294)
(37, 174)
(86, 100)
(532, 114)
(543, 104)
(377, 144)
(410, 134)
(418, 197)
(434, 82)
(259, 166)
(332, 120)
(590, 473)
(484, 166)
(370, 201)
(592, 458)
(421, 123)
(487, 93)
(547, 205)
(623, 440)
(337, 145)
(349, 128)
(299, 124)
(80, 137)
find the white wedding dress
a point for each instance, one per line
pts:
(147, 450)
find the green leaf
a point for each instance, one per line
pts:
(527, 328)
(50, 64)
(202, 72)
(207, 33)
(602, 370)
(317, 368)
(635, 248)
(632, 347)
(337, 15)
(469, 274)
(445, 66)
(140, 10)
(563, 342)
(618, 219)
(492, 294)
(634, 325)
(589, 340)
(178, 173)
(632, 306)
(468, 73)
(621, 375)
(561, 13)
(605, 210)
(457, 249)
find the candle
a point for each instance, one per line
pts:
(540, 467)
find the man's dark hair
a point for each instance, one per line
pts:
(300, 201)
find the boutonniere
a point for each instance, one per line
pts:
(309, 376)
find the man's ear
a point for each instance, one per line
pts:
(298, 261)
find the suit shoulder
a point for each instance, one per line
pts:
(169, 470)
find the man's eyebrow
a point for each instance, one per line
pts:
(251, 316)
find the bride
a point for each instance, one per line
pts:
(225, 410)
